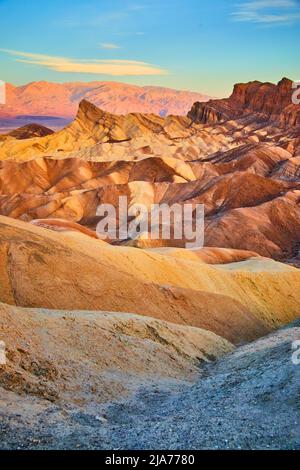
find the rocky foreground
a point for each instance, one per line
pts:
(247, 400)
(79, 375)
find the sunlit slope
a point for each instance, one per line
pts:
(41, 268)
(83, 356)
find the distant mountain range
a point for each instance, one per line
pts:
(43, 101)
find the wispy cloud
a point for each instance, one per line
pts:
(114, 17)
(269, 12)
(94, 66)
(109, 46)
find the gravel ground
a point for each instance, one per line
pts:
(248, 400)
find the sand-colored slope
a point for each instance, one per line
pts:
(259, 158)
(271, 229)
(41, 268)
(209, 255)
(96, 135)
(79, 356)
(92, 126)
(248, 187)
(47, 176)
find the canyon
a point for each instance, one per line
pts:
(139, 340)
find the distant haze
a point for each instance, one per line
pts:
(43, 101)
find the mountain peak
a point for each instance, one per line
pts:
(87, 111)
(285, 81)
(30, 131)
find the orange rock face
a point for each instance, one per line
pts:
(272, 102)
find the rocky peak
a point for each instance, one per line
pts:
(29, 131)
(266, 99)
(89, 112)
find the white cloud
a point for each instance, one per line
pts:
(109, 46)
(271, 12)
(94, 66)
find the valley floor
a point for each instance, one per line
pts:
(249, 399)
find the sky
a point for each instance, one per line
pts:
(197, 45)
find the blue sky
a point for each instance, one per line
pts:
(204, 46)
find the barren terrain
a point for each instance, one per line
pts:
(140, 343)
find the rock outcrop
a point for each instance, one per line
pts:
(268, 101)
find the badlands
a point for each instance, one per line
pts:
(138, 343)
